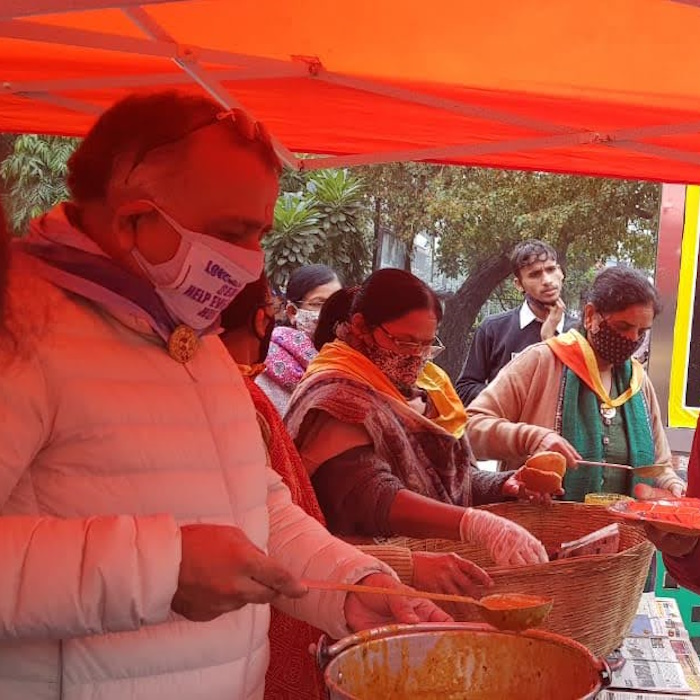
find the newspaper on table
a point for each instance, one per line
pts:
(637, 695)
(658, 617)
(648, 649)
(659, 661)
(634, 695)
(688, 658)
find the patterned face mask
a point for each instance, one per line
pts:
(306, 320)
(401, 370)
(611, 346)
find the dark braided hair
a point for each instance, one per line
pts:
(384, 296)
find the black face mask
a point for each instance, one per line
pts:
(611, 346)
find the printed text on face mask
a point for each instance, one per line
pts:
(215, 302)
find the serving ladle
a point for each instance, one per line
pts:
(504, 611)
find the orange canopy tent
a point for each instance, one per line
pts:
(604, 87)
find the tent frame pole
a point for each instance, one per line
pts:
(27, 8)
(199, 75)
(191, 61)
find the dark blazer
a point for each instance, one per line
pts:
(496, 341)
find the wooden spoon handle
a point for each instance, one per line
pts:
(359, 588)
(650, 472)
(608, 465)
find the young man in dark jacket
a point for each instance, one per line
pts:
(499, 338)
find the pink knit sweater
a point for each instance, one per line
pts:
(511, 417)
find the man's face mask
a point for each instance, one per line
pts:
(611, 346)
(204, 276)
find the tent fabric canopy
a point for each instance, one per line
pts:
(602, 87)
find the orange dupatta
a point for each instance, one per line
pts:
(340, 357)
(577, 354)
(452, 416)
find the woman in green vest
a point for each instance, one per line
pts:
(584, 395)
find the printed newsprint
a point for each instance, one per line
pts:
(643, 674)
(659, 661)
(634, 695)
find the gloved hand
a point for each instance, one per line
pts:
(507, 543)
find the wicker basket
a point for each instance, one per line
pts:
(595, 597)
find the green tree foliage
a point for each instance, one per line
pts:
(481, 214)
(478, 215)
(34, 175)
(294, 239)
(339, 200)
(318, 219)
(398, 197)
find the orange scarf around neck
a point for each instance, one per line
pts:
(338, 356)
(577, 354)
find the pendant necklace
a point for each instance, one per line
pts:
(608, 413)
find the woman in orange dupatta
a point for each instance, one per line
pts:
(584, 395)
(380, 428)
(293, 673)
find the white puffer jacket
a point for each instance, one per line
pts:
(106, 444)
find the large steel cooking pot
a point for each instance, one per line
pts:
(459, 662)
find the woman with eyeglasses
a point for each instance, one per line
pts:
(292, 347)
(380, 428)
(582, 394)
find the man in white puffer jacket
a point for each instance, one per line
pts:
(141, 538)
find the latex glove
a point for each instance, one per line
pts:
(367, 610)
(667, 542)
(555, 315)
(222, 570)
(507, 543)
(448, 573)
(514, 487)
(556, 443)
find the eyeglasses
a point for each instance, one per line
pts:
(433, 347)
(313, 305)
(244, 127)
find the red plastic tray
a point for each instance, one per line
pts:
(679, 515)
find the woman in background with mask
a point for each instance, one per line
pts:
(291, 347)
(387, 456)
(582, 394)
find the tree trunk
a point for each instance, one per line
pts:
(408, 260)
(462, 309)
(561, 245)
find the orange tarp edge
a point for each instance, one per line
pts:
(572, 68)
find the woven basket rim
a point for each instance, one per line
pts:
(634, 551)
(580, 610)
